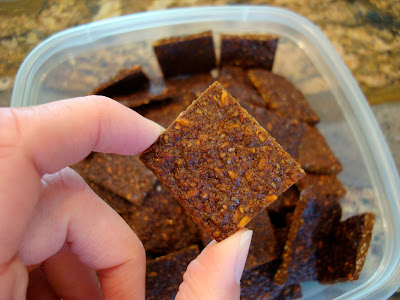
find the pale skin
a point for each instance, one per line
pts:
(56, 233)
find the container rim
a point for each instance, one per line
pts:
(389, 280)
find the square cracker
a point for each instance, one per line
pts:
(248, 51)
(186, 55)
(220, 164)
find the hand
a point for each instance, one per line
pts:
(57, 232)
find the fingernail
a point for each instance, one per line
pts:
(245, 241)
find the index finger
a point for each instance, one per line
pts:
(47, 138)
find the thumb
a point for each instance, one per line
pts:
(216, 272)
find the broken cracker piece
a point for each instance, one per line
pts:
(164, 274)
(124, 175)
(220, 164)
(186, 55)
(248, 51)
(282, 96)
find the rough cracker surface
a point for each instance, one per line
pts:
(221, 165)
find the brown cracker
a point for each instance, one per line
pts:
(323, 184)
(248, 51)
(304, 143)
(165, 274)
(282, 96)
(125, 82)
(119, 204)
(314, 219)
(142, 97)
(237, 81)
(257, 283)
(263, 243)
(348, 249)
(221, 165)
(161, 223)
(286, 201)
(124, 175)
(181, 93)
(315, 155)
(186, 55)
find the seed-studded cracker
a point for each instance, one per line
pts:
(248, 51)
(304, 143)
(314, 218)
(322, 184)
(348, 249)
(124, 175)
(286, 201)
(186, 55)
(263, 243)
(282, 96)
(161, 223)
(125, 82)
(221, 165)
(257, 283)
(164, 274)
(237, 81)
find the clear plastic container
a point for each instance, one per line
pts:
(74, 61)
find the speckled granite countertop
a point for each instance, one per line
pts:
(366, 33)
